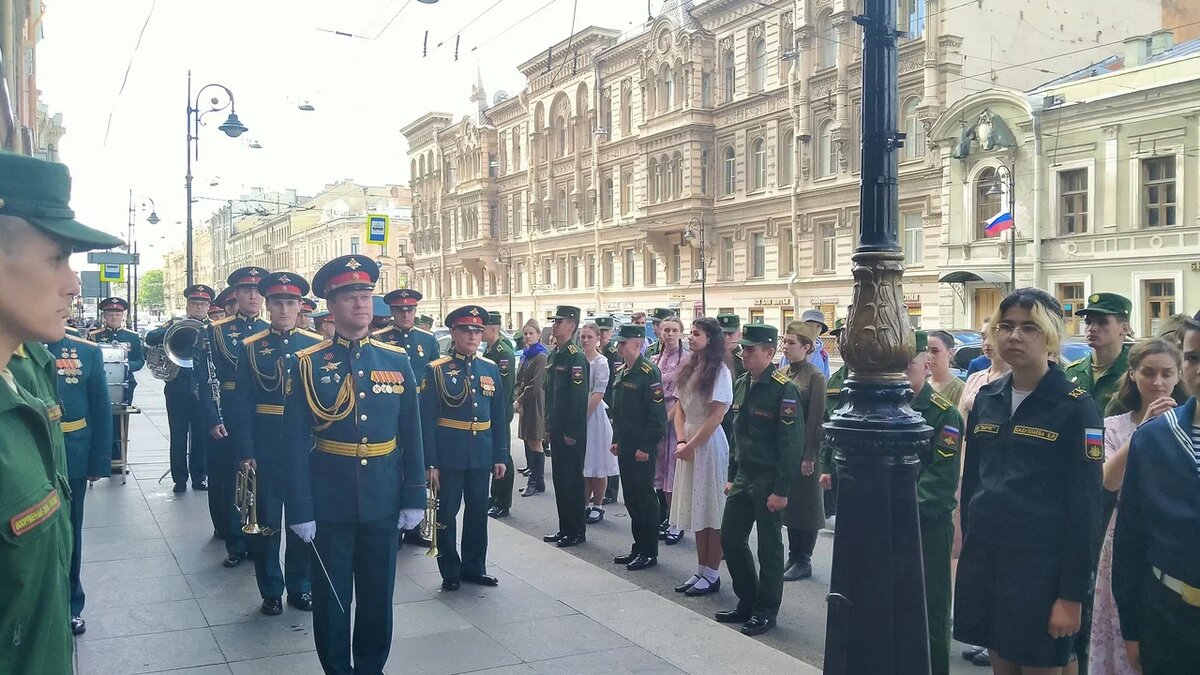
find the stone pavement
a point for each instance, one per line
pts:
(159, 600)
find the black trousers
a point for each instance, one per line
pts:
(188, 448)
(641, 502)
(222, 474)
(361, 560)
(294, 575)
(569, 486)
(467, 487)
(1169, 628)
(78, 491)
(502, 489)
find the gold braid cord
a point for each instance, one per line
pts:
(263, 379)
(232, 358)
(450, 401)
(342, 407)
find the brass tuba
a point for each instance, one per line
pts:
(177, 349)
(246, 501)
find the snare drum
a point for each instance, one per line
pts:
(116, 371)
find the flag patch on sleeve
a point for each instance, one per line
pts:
(948, 443)
(787, 410)
(1093, 444)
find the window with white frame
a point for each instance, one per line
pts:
(1159, 192)
(914, 237)
(827, 247)
(910, 18)
(1073, 201)
(787, 251)
(650, 273)
(728, 75)
(606, 198)
(610, 265)
(726, 267)
(627, 266)
(787, 156)
(758, 65)
(826, 41)
(826, 157)
(652, 179)
(758, 255)
(987, 200)
(914, 142)
(730, 170)
(758, 174)
(706, 97)
(626, 191)
(705, 158)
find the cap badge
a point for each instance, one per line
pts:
(285, 279)
(1095, 298)
(353, 264)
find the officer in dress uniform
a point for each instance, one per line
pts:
(256, 411)
(216, 309)
(323, 324)
(566, 424)
(500, 351)
(639, 422)
(833, 400)
(1101, 372)
(764, 459)
(605, 324)
(657, 316)
(183, 410)
(381, 314)
(225, 340)
(307, 307)
(114, 332)
(465, 412)
(356, 468)
(228, 301)
(38, 233)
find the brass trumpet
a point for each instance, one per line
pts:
(430, 524)
(246, 501)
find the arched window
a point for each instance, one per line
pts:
(677, 173)
(826, 41)
(626, 192)
(652, 179)
(758, 65)
(826, 158)
(787, 156)
(666, 190)
(729, 75)
(758, 152)
(914, 142)
(730, 171)
(705, 159)
(666, 91)
(561, 128)
(606, 199)
(562, 208)
(986, 205)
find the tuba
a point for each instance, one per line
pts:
(177, 349)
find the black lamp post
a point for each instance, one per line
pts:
(232, 127)
(131, 246)
(1006, 180)
(876, 623)
(695, 233)
(505, 258)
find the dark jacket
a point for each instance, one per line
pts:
(639, 409)
(768, 429)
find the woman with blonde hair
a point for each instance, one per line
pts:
(529, 401)
(669, 359)
(598, 462)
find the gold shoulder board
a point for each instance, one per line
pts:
(256, 337)
(941, 402)
(309, 351)
(779, 377)
(1077, 392)
(390, 348)
(438, 362)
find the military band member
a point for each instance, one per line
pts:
(188, 435)
(323, 324)
(227, 301)
(609, 349)
(307, 307)
(566, 425)
(114, 332)
(639, 422)
(1101, 372)
(356, 468)
(225, 344)
(500, 351)
(255, 411)
(657, 316)
(464, 422)
(764, 459)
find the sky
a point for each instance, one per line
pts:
(124, 103)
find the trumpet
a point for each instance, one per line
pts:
(430, 525)
(246, 501)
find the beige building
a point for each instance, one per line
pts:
(1104, 174)
(735, 123)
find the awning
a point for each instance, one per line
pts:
(967, 276)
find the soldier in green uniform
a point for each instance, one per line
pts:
(114, 332)
(566, 425)
(639, 421)
(764, 459)
(424, 322)
(833, 399)
(38, 233)
(609, 349)
(937, 484)
(657, 316)
(500, 351)
(1100, 373)
(731, 328)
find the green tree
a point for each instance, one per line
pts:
(150, 290)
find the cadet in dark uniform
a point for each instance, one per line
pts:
(225, 345)
(609, 349)
(833, 399)
(356, 468)
(1101, 372)
(500, 351)
(255, 410)
(1031, 498)
(464, 422)
(114, 332)
(38, 234)
(188, 456)
(566, 424)
(86, 418)
(639, 414)
(764, 459)
(307, 307)
(657, 316)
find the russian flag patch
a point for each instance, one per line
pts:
(1093, 444)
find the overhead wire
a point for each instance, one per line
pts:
(128, 68)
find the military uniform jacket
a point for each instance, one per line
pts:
(833, 399)
(739, 368)
(1033, 480)
(464, 413)
(86, 410)
(639, 410)
(614, 363)
(1104, 389)
(505, 358)
(940, 460)
(35, 520)
(567, 391)
(768, 432)
(255, 406)
(124, 336)
(420, 345)
(225, 346)
(352, 432)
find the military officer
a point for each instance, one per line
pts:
(225, 340)
(833, 399)
(323, 324)
(605, 324)
(566, 424)
(425, 322)
(227, 299)
(937, 484)
(307, 307)
(464, 422)
(38, 233)
(500, 351)
(265, 362)
(113, 313)
(639, 422)
(657, 315)
(356, 468)
(1100, 373)
(764, 459)
(216, 309)
(382, 314)
(183, 418)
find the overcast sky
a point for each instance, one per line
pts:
(128, 131)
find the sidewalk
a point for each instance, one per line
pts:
(159, 600)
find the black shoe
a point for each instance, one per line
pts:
(498, 512)
(608, 500)
(641, 562)
(971, 651)
(271, 607)
(757, 625)
(451, 585)
(713, 587)
(662, 529)
(982, 659)
(682, 588)
(78, 626)
(530, 490)
(524, 471)
(200, 485)
(673, 538)
(571, 540)
(797, 570)
(234, 559)
(595, 515)
(551, 538)
(302, 602)
(625, 559)
(414, 537)
(482, 580)
(732, 616)
(179, 487)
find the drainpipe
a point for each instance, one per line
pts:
(1035, 114)
(793, 279)
(596, 186)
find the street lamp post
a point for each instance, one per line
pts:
(504, 258)
(876, 620)
(232, 127)
(131, 246)
(695, 233)
(1006, 179)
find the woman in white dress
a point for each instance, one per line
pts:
(705, 388)
(598, 462)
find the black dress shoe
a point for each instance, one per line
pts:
(551, 538)
(595, 515)
(757, 625)
(78, 626)
(641, 562)
(712, 587)
(200, 485)
(625, 559)
(732, 616)
(234, 559)
(179, 487)
(982, 659)
(682, 588)
(970, 652)
(608, 500)
(271, 607)
(571, 540)
(302, 602)
(673, 538)
(797, 570)
(529, 491)
(451, 585)
(498, 512)
(482, 580)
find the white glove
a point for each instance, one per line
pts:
(306, 531)
(411, 518)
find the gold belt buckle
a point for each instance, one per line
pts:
(1190, 595)
(361, 450)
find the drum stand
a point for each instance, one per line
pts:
(122, 413)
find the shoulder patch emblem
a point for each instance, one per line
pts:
(36, 514)
(504, 366)
(779, 377)
(947, 443)
(576, 374)
(1077, 392)
(656, 392)
(787, 409)
(1093, 444)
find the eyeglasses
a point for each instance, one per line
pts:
(1027, 330)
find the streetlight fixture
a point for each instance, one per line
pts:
(1006, 180)
(503, 257)
(132, 247)
(694, 234)
(232, 127)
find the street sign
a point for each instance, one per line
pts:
(113, 274)
(678, 297)
(89, 282)
(107, 258)
(543, 287)
(378, 226)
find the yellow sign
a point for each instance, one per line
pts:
(113, 274)
(378, 227)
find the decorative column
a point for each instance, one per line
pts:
(841, 127)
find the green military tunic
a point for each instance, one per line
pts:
(501, 353)
(937, 484)
(1103, 390)
(739, 368)
(567, 391)
(639, 415)
(833, 399)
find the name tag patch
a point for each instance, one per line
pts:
(984, 428)
(1034, 432)
(1093, 444)
(35, 515)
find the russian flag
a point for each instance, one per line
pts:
(998, 223)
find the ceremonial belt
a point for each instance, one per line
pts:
(267, 409)
(356, 449)
(68, 427)
(464, 426)
(228, 386)
(1189, 594)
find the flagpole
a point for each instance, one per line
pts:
(1012, 256)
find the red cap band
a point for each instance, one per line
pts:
(284, 289)
(468, 321)
(200, 295)
(347, 278)
(251, 280)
